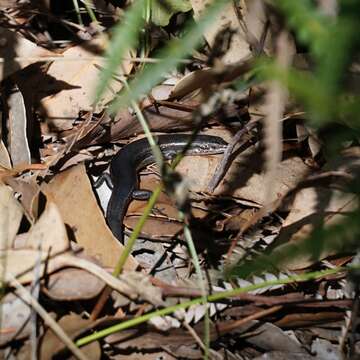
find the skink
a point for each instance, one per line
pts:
(135, 156)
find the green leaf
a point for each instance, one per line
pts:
(169, 57)
(163, 10)
(125, 37)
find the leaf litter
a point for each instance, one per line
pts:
(274, 188)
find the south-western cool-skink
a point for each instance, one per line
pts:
(133, 157)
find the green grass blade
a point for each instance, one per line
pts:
(200, 281)
(169, 57)
(211, 298)
(125, 37)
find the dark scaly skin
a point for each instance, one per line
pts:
(135, 156)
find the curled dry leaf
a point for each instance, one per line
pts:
(71, 191)
(11, 214)
(189, 83)
(73, 285)
(207, 79)
(265, 336)
(80, 68)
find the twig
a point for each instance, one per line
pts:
(235, 324)
(33, 317)
(211, 298)
(224, 162)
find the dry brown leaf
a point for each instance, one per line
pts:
(49, 232)
(158, 224)
(20, 264)
(245, 178)
(206, 79)
(5, 161)
(239, 48)
(198, 170)
(161, 119)
(71, 191)
(11, 214)
(80, 69)
(194, 80)
(73, 285)
(320, 205)
(16, 52)
(17, 127)
(73, 325)
(270, 337)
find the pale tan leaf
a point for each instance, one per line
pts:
(245, 179)
(4, 156)
(8, 4)
(20, 264)
(198, 170)
(71, 191)
(191, 82)
(49, 232)
(320, 205)
(16, 52)
(11, 213)
(14, 314)
(80, 69)
(72, 285)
